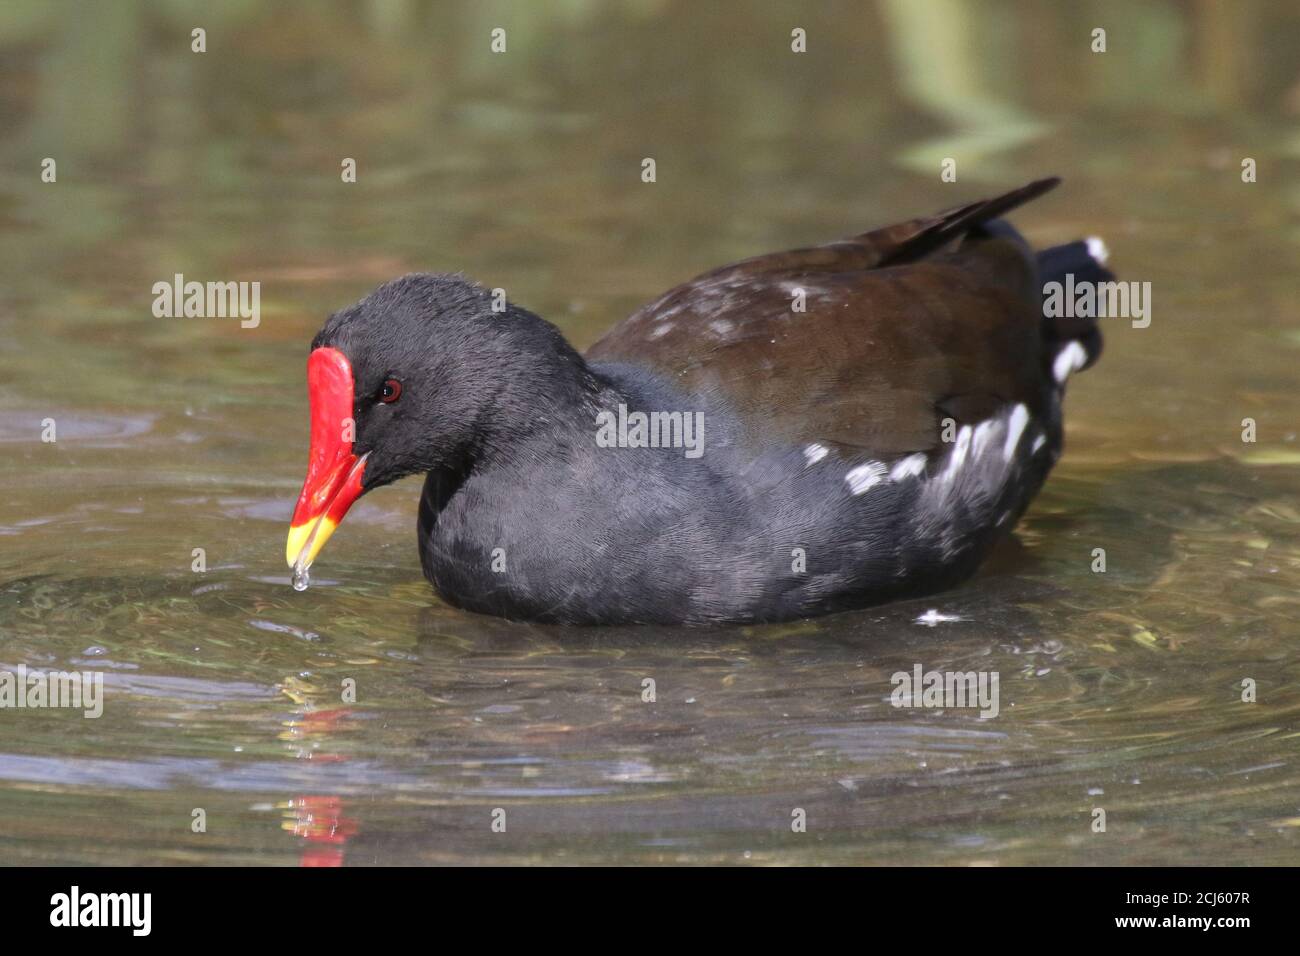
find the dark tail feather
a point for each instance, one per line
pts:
(956, 223)
(1086, 261)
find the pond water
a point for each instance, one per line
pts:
(223, 689)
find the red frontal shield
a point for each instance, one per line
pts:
(333, 471)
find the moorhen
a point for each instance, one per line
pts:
(794, 434)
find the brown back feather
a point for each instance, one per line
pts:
(904, 326)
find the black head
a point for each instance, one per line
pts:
(428, 373)
(442, 369)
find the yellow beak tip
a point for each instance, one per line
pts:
(306, 540)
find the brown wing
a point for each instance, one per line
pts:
(902, 327)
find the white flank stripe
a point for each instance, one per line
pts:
(865, 476)
(907, 467)
(815, 453)
(958, 457)
(982, 432)
(1015, 428)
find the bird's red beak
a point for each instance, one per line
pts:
(333, 471)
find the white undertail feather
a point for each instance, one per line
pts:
(1071, 358)
(1097, 250)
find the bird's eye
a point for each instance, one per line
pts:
(391, 391)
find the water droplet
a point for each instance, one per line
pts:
(301, 579)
